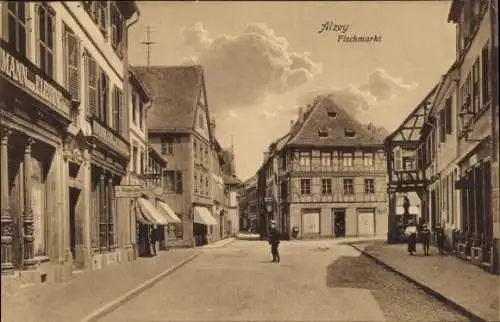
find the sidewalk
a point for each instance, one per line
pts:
(463, 285)
(219, 243)
(87, 292)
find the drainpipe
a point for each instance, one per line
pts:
(126, 86)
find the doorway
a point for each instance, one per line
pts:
(73, 201)
(339, 222)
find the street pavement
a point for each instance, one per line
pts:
(465, 285)
(315, 281)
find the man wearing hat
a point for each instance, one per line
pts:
(274, 241)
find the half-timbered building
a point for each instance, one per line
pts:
(328, 176)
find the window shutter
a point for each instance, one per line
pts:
(119, 115)
(73, 76)
(448, 115)
(398, 160)
(114, 108)
(178, 184)
(91, 85)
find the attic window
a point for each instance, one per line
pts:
(332, 114)
(323, 132)
(349, 133)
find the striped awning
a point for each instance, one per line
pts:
(413, 210)
(203, 216)
(168, 212)
(150, 213)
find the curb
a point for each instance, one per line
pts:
(113, 305)
(444, 299)
(210, 246)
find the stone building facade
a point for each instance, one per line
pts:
(63, 104)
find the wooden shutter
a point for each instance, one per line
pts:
(398, 160)
(73, 64)
(178, 182)
(448, 115)
(91, 85)
(114, 108)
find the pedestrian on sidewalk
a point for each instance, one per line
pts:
(440, 238)
(425, 236)
(274, 241)
(153, 238)
(411, 236)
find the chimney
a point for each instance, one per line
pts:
(291, 124)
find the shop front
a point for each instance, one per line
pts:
(204, 225)
(35, 114)
(151, 223)
(173, 220)
(108, 158)
(475, 239)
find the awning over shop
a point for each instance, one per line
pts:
(151, 213)
(413, 210)
(173, 218)
(202, 216)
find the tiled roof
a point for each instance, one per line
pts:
(175, 91)
(317, 119)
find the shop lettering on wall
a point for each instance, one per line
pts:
(109, 138)
(27, 78)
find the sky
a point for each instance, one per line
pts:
(262, 60)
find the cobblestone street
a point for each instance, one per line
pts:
(316, 281)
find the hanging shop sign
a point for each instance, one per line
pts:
(128, 191)
(30, 79)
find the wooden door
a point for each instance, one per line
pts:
(310, 222)
(366, 222)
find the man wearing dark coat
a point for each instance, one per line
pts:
(274, 241)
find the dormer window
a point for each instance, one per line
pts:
(332, 114)
(349, 133)
(323, 132)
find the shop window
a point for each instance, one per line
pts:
(45, 38)
(17, 31)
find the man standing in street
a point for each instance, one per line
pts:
(274, 241)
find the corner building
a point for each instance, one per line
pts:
(62, 67)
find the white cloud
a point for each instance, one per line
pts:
(384, 86)
(358, 100)
(241, 70)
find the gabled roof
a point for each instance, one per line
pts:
(318, 119)
(175, 91)
(409, 130)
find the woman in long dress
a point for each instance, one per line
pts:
(411, 235)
